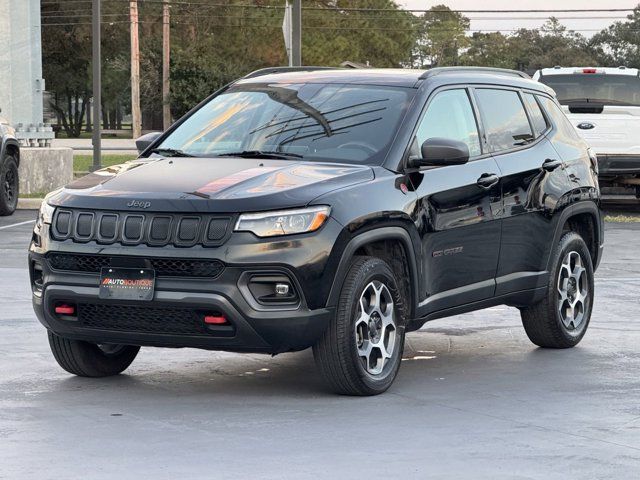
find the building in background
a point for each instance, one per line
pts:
(21, 82)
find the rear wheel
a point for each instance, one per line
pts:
(8, 185)
(89, 359)
(562, 318)
(361, 351)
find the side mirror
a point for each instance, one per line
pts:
(442, 151)
(144, 141)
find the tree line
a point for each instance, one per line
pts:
(215, 41)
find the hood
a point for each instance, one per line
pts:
(221, 185)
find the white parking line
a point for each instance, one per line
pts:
(17, 224)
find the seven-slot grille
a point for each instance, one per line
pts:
(164, 267)
(153, 229)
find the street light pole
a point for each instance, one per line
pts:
(97, 87)
(296, 33)
(166, 66)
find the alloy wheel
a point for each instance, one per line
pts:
(573, 291)
(10, 185)
(375, 327)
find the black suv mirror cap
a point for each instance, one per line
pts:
(144, 141)
(442, 151)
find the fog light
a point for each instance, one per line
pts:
(282, 289)
(272, 289)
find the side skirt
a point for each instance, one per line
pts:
(518, 299)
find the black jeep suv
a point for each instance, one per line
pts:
(338, 209)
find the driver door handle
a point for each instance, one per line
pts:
(550, 164)
(487, 180)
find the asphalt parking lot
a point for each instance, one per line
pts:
(473, 399)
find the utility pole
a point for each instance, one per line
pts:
(97, 87)
(166, 64)
(135, 71)
(296, 33)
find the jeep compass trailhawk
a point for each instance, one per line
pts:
(338, 209)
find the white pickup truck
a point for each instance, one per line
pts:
(604, 106)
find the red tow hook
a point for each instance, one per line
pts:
(215, 319)
(64, 309)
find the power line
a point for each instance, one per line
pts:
(358, 9)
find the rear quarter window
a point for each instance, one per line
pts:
(558, 118)
(535, 113)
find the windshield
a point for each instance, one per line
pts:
(606, 89)
(315, 122)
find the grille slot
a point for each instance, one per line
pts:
(108, 227)
(163, 320)
(164, 267)
(156, 230)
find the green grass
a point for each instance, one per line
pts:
(81, 163)
(33, 195)
(622, 218)
(125, 133)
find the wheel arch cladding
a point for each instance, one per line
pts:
(12, 148)
(585, 224)
(391, 244)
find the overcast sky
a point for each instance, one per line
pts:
(506, 21)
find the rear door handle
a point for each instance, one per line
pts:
(550, 164)
(487, 180)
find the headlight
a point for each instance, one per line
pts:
(285, 222)
(46, 213)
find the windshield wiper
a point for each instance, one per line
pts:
(261, 154)
(170, 152)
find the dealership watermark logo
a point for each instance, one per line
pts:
(126, 283)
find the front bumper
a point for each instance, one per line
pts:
(165, 321)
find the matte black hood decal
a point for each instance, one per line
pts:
(209, 184)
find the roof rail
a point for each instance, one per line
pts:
(270, 70)
(497, 71)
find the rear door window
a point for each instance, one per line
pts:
(535, 113)
(505, 119)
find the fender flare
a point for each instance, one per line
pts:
(576, 209)
(370, 236)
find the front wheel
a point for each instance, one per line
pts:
(562, 318)
(361, 351)
(89, 359)
(9, 185)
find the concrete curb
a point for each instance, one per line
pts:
(29, 203)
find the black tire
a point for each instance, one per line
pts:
(336, 353)
(8, 185)
(543, 321)
(89, 360)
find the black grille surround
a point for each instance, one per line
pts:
(164, 267)
(141, 228)
(146, 319)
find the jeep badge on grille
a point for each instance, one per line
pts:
(138, 204)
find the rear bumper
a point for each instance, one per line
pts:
(613, 165)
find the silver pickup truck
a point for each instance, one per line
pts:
(604, 106)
